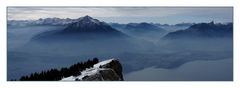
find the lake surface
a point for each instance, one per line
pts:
(217, 70)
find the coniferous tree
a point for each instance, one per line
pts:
(55, 74)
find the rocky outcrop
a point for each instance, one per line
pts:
(103, 75)
(115, 66)
(109, 70)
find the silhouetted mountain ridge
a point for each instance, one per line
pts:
(142, 27)
(203, 30)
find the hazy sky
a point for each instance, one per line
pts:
(169, 15)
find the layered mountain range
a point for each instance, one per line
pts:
(41, 21)
(86, 28)
(86, 35)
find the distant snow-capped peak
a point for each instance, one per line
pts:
(87, 20)
(54, 21)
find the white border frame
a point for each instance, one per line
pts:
(133, 84)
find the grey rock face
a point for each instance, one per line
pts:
(111, 71)
(103, 75)
(116, 66)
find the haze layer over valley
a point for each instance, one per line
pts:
(141, 47)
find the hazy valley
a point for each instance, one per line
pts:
(37, 46)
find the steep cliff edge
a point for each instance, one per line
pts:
(108, 70)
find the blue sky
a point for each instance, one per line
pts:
(170, 15)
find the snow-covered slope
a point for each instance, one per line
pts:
(41, 21)
(52, 21)
(108, 70)
(88, 24)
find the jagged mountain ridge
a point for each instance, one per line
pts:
(203, 30)
(89, 25)
(87, 35)
(86, 27)
(41, 21)
(143, 28)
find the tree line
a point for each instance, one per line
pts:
(57, 74)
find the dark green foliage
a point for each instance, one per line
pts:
(55, 74)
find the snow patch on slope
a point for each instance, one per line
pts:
(102, 63)
(88, 72)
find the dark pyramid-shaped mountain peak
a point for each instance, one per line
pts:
(88, 24)
(85, 28)
(87, 19)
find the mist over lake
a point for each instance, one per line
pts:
(188, 51)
